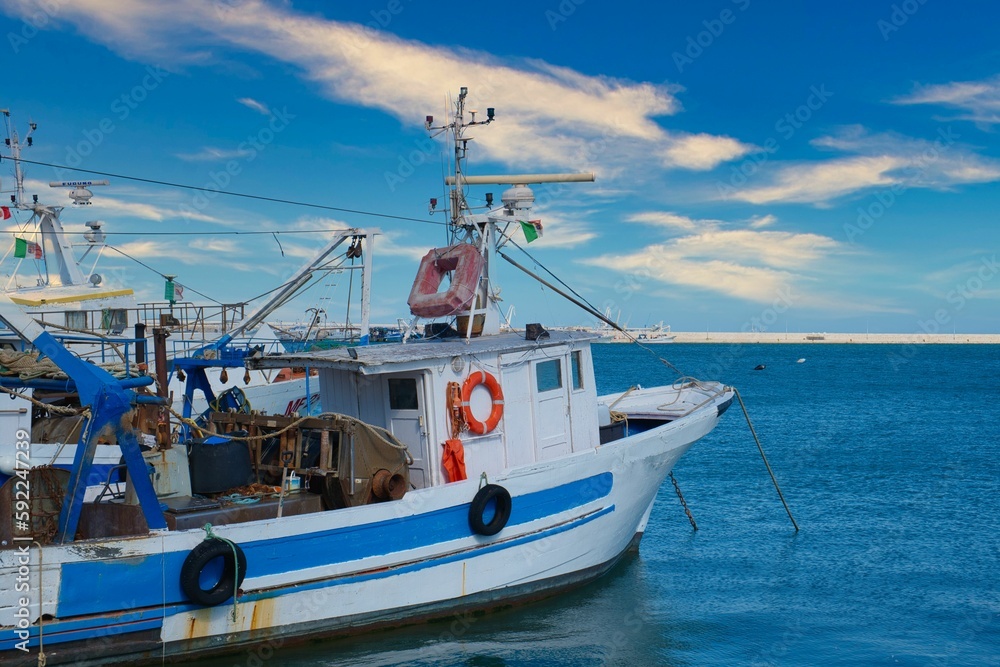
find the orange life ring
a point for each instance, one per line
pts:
(496, 393)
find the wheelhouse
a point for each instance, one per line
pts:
(549, 401)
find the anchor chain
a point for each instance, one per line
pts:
(684, 504)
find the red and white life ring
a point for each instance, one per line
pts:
(496, 393)
(464, 263)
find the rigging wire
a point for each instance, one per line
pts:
(162, 275)
(245, 195)
(215, 233)
(581, 302)
(546, 269)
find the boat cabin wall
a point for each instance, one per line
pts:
(549, 408)
(550, 403)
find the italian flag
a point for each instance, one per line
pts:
(5, 212)
(532, 229)
(23, 248)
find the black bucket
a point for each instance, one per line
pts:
(219, 464)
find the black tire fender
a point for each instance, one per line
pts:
(477, 510)
(234, 569)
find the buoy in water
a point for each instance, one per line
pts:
(759, 367)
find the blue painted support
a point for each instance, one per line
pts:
(109, 402)
(309, 409)
(196, 379)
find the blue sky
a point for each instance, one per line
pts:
(780, 165)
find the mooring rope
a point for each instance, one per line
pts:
(764, 457)
(209, 535)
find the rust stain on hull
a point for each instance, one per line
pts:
(262, 617)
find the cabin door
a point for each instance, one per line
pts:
(408, 422)
(551, 405)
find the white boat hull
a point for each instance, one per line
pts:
(336, 572)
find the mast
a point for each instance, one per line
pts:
(59, 261)
(458, 207)
(15, 151)
(484, 230)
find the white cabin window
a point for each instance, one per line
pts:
(115, 319)
(548, 375)
(403, 394)
(576, 369)
(76, 319)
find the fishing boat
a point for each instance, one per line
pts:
(105, 322)
(106, 325)
(470, 469)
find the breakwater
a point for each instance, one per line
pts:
(820, 338)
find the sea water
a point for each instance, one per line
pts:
(888, 458)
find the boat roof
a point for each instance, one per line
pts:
(62, 296)
(387, 357)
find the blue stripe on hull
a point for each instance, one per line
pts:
(57, 632)
(135, 582)
(465, 554)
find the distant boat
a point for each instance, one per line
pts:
(654, 335)
(801, 361)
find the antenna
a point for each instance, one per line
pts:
(15, 151)
(457, 128)
(79, 194)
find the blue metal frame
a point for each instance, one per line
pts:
(109, 401)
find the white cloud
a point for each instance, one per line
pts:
(823, 181)
(979, 101)
(213, 154)
(547, 112)
(666, 219)
(701, 152)
(735, 261)
(879, 160)
(114, 207)
(761, 221)
(111, 206)
(164, 255)
(251, 103)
